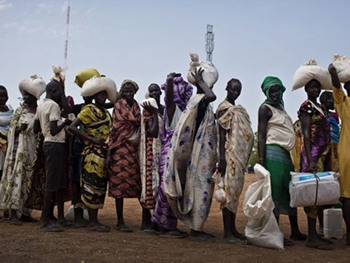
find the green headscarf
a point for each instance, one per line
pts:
(269, 82)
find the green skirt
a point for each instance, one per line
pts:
(278, 162)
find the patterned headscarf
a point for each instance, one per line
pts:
(269, 82)
(182, 92)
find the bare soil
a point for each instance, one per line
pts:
(27, 243)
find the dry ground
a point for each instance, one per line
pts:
(27, 244)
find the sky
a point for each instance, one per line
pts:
(145, 40)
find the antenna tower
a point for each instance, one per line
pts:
(209, 42)
(67, 35)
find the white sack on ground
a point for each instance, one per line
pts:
(210, 74)
(262, 228)
(309, 71)
(342, 64)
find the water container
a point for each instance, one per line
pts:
(332, 223)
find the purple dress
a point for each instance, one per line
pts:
(163, 215)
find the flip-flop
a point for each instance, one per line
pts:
(15, 222)
(80, 224)
(320, 246)
(203, 237)
(173, 233)
(99, 228)
(287, 242)
(298, 237)
(147, 231)
(51, 228)
(64, 223)
(28, 219)
(123, 228)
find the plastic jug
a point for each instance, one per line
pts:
(332, 223)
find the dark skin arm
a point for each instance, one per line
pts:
(37, 127)
(306, 129)
(169, 97)
(209, 94)
(73, 128)
(335, 79)
(55, 129)
(152, 125)
(265, 115)
(222, 150)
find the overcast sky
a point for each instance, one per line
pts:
(145, 40)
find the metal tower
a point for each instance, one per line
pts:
(209, 42)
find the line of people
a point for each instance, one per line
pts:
(164, 155)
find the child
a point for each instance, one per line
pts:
(48, 119)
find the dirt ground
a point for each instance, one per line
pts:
(27, 243)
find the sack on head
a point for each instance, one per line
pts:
(34, 85)
(309, 71)
(86, 74)
(342, 64)
(210, 74)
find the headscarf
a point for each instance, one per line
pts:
(182, 92)
(125, 81)
(269, 82)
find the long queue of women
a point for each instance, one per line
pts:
(164, 155)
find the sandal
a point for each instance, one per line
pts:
(298, 237)
(64, 223)
(148, 231)
(287, 242)
(29, 219)
(51, 228)
(99, 228)
(319, 245)
(123, 228)
(177, 233)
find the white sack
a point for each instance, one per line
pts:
(34, 85)
(342, 64)
(210, 74)
(219, 193)
(262, 228)
(302, 189)
(97, 84)
(69, 216)
(309, 71)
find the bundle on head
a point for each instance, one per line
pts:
(210, 74)
(309, 71)
(342, 64)
(58, 74)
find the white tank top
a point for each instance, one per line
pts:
(280, 129)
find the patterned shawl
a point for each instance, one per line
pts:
(238, 146)
(126, 123)
(190, 165)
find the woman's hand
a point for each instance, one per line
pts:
(98, 142)
(331, 69)
(197, 74)
(312, 167)
(147, 106)
(222, 167)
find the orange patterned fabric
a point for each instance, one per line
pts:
(124, 167)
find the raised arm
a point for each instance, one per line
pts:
(152, 125)
(209, 94)
(169, 97)
(334, 75)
